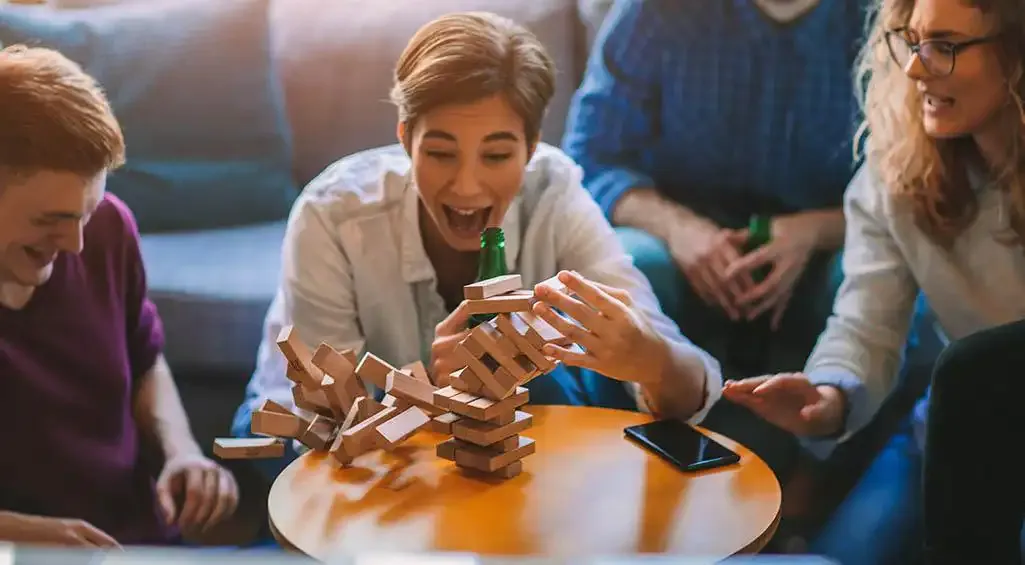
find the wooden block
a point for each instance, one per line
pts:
(555, 284)
(508, 444)
(482, 372)
(510, 470)
(483, 460)
(311, 401)
(504, 323)
(492, 287)
(373, 369)
(537, 331)
(400, 427)
(502, 350)
(271, 406)
(356, 437)
(464, 380)
(442, 395)
(333, 363)
(354, 415)
(512, 302)
(335, 396)
(485, 434)
(299, 358)
(405, 387)
(337, 449)
(389, 400)
(249, 448)
(419, 372)
(503, 419)
(485, 408)
(447, 449)
(443, 424)
(369, 407)
(275, 424)
(320, 433)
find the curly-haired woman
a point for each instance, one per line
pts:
(938, 208)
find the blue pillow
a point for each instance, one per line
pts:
(193, 85)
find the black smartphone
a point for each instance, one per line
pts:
(682, 445)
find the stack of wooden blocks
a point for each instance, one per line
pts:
(483, 397)
(479, 407)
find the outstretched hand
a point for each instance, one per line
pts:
(617, 339)
(790, 401)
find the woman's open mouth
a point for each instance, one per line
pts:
(467, 222)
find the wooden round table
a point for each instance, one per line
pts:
(587, 491)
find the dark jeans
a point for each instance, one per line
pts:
(709, 328)
(974, 497)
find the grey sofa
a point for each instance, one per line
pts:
(273, 89)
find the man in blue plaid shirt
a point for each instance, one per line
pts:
(692, 117)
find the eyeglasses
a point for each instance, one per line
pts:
(937, 55)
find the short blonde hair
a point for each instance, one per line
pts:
(931, 174)
(55, 117)
(464, 57)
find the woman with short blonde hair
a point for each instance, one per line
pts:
(380, 245)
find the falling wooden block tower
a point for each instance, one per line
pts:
(480, 408)
(344, 419)
(484, 397)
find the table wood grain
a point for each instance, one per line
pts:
(587, 491)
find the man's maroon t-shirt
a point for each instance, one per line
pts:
(69, 363)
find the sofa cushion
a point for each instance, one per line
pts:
(212, 289)
(193, 85)
(337, 59)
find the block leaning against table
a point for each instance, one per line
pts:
(938, 207)
(379, 246)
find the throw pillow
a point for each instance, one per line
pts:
(201, 107)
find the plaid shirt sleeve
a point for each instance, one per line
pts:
(613, 115)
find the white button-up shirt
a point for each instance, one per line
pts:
(355, 274)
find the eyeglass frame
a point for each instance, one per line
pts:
(955, 47)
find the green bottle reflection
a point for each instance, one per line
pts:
(491, 264)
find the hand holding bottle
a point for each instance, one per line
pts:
(616, 338)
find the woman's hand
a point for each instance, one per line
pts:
(447, 335)
(790, 401)
(616, 338)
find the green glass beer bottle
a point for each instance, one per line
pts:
(491, 264)
(749, 340)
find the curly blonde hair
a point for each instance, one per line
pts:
(933, 173)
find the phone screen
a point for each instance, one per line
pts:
(682, 445)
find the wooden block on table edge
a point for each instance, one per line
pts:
(249, 448)
(492, 287)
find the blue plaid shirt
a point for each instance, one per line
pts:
(715, 104)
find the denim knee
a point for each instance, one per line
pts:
(652, 258)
